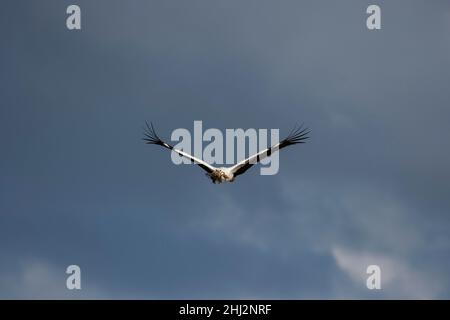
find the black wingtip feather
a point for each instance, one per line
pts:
(297, 135)
(150, 136)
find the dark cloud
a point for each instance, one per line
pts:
(78, 185)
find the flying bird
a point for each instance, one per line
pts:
(223, 174)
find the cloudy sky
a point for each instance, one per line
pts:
(78, 186)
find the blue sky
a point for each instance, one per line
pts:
(78, 186)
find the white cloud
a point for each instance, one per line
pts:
(338, 212)
(40, 280)
(355, 225)
(398, 278)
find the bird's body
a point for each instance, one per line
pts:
(223, 174)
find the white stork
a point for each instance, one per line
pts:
(222, 174)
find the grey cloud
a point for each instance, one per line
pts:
(78, 184)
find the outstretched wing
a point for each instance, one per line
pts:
(152, 138)
(297, 135)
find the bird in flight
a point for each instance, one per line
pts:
(223, 174)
